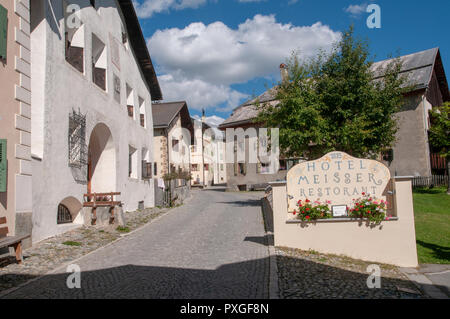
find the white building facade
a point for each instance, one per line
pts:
(92, 127)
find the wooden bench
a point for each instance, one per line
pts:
(95, 200)
(11, 241)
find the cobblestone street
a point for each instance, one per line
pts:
(211, 247)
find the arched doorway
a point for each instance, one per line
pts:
(101, 161)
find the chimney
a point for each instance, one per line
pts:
(284, 72)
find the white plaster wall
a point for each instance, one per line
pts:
(65, 89)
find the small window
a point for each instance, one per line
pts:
(74, 47)
(99, 62)
(132, 162)
(283, 165)
(130, 101)
(155, 168)
(3, 32)
(142, 112)
(194, 167)
(64, 216)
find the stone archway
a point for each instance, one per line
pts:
(101, 160)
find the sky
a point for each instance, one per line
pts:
(216, 54)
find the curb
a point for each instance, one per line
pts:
(63, 266)
(423, 283)
(274, 289)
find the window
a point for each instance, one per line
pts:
(194, 167)
(64, 216)
(3, 32)
(99, 62)
(146, 165)
(155, 168)
(74, 42)
(175, 145)
(130, 101)
(242, 168)
(206, 167)
(132, 162)
(221, 167)
(142, 112)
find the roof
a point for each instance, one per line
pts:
(140, 49)
(164, 113)
(418, 67)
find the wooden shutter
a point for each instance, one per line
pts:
(3, 31)
(3, 166)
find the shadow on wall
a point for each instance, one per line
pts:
(236, 280)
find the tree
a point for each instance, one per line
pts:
(439, 133)
(334, 102)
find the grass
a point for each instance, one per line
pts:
(71, 243)
(122, 229)
(432, 219)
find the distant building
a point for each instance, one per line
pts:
(170, 146)
(93, 84)
(202, 155)
(15, 117)
(411, 154)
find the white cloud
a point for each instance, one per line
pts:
(200, 62)
(218, 54)
(198, 93)
(356, 9)
(212, 120)
(147, 8)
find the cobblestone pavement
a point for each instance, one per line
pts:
(211, 247)
(53, 252)
(308, 274)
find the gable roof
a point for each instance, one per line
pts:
(418, 68)
(139, 45)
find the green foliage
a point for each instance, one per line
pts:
(440, 129)
(432, 222)
(333, 102)
(123, 229)
(369, 208)
(177, 175)
(308, 211)
(71, 243)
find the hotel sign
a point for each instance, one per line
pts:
(336, 177)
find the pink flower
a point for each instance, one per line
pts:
(328, 202)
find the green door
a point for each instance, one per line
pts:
(3, 31)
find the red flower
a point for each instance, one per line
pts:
(363, 193)
(307, 217)
(307, 201)
(294, 212)
(368, 212)
(307, 209)
(356, 209)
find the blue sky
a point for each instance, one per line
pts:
(217, 53)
